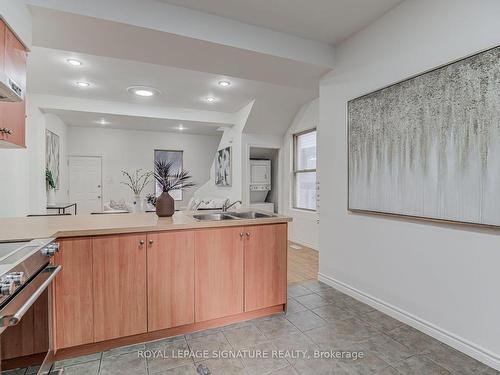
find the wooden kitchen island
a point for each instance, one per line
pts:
(134, 278)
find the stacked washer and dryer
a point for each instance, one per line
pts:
(260, 184)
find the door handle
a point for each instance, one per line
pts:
(151, 242)
(141, 242)
(13, 320)
(247, 234)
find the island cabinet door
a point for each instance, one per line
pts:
(218, 273)
(170, 279)
(265, 266)
(73, 314)
(119, 277)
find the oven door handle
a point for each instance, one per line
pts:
(14, 319)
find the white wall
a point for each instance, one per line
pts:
(130, 150)
(190, 23)
(14, 192)
(22, 171)
(304, 229)
(36, 124)
(442, 279)
(57, 126)
(231, 137)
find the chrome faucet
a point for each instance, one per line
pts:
(226, 206)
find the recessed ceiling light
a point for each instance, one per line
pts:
(210, 99)
(82, 84)
(143, 91)
(74, 62)
(103, 122)
(224, 83)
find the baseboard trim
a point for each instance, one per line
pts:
(475, 351)
(95, 347)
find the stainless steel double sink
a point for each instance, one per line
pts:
(219, 216)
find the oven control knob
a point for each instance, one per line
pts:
(50, 249)
(7, 287)
(17, 278)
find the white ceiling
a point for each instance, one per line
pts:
(49, 73)
(132, 46)
(102, 37)
(90, 119)
(330, 21)
(274, 109)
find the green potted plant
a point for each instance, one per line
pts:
(168, 179)
(51, 187)
(137, 181)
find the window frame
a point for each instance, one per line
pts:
(296, 171)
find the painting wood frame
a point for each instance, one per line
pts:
(456, 63)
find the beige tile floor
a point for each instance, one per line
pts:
(319, 319)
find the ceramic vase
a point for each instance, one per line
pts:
(51, 197)
(165, 205)
(138, 204)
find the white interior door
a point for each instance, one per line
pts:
(85, 183)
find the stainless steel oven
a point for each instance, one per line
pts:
(26, 274)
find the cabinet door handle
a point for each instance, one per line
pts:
(248, 234)
(242, 234)
(6, 131)
(151, 242)
(141, 242)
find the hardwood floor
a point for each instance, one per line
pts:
(302, 264)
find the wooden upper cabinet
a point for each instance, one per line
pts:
(73, 297)
(2, 45)
(2, 69)
(170, 264)
(265, 266)
(13, 115)
(119, 284)
(218, 273)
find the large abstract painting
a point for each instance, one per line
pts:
(430, 146)
(52, 150)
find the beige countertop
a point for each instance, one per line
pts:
(25, 228)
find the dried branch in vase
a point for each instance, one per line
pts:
(137, 181)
